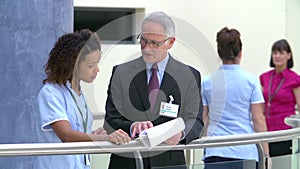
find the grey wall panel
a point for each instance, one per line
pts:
(28, 30)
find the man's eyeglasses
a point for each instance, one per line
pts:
(151, 43)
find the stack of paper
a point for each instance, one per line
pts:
(153, 136)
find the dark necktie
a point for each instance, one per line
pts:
(153, 86)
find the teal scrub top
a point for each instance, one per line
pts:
(56, 103)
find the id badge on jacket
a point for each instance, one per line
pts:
(169, 109)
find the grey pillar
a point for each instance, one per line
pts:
(28, 30)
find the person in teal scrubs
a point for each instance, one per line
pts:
(64, 113)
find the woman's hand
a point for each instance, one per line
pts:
(99, 131)
(119, 137)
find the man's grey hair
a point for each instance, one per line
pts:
(162, 19)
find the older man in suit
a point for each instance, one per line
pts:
(138, 89)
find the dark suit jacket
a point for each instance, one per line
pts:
(128, 102)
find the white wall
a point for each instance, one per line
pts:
(292, 31)
(260, 22)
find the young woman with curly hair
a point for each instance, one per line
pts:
(65, 116)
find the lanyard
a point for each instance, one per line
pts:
(271, 96)
(86, 109)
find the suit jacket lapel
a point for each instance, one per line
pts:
(167, 84)
(140, 81)
(168, 79)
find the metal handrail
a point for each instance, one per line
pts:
(104, 147)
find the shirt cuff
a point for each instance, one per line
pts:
(183, 135)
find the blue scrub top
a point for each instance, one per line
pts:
(55, 104)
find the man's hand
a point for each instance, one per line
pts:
(138, 127)
(174, 140)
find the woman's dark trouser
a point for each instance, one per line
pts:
(224, 163)
(280, 148)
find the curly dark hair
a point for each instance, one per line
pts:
(67, 49)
